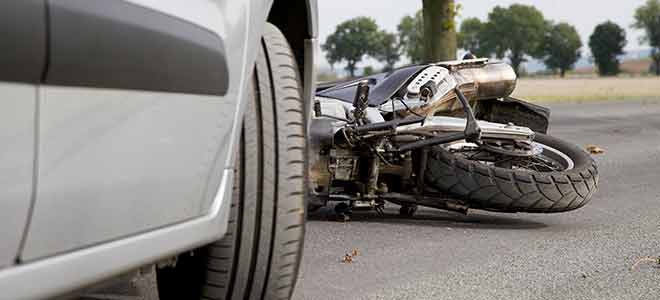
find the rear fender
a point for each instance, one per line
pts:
(516, 111)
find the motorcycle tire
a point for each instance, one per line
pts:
(492, 188)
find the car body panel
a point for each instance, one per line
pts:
(313, 18)
(114, 162)
(62, 273)
(106, 150)
(17, 127)
(23, 32)
(118, 162)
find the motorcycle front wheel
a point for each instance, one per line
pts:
(561, 178)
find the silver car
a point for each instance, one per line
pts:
(137, 133)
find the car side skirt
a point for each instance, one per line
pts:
(60, 274)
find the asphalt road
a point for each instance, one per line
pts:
(585, 254)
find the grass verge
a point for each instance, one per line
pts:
(579, 90)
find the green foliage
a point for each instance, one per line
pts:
(389, 50)
(411, 37)
(471, 35)
(368, 70)
(359, 37)
(606, 44)
(561, 47)
(516, 31)
(351, 41)
(647, 18)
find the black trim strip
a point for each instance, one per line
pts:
(116, 44)
(22, 40)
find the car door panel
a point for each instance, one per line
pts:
(118, 157)
(17, 122)
(22, 59)
(114, 162)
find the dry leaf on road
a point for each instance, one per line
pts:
(355, 252)
(655, 260)
(593, 149)
(347, 259)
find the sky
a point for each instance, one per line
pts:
(583, 14)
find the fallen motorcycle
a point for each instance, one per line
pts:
(445, 135)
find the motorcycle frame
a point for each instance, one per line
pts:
(435, 130)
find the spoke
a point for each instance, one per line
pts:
(538, 163)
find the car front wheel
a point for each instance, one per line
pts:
(260, 254)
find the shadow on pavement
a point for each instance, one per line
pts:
(432, 217)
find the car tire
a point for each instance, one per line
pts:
(260, 254)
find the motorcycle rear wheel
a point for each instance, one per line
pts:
(516, 189)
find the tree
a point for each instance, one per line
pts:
(562, 47)
(516, 31)
(471, 35)
(411, 37)
(606, 43)
(389, 50)
(351, 41)
(647, 18)
(439, 29)
(368, 70)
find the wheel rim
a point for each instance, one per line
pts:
(548, 160)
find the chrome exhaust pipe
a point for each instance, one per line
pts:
(489, 130)
(492, 80)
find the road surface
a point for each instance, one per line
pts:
(586, 254)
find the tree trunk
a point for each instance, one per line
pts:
(516, 60)
(562, 72)
(439, 30)
(655, 55)
(351, 68)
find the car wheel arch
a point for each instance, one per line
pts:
(297, 21)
